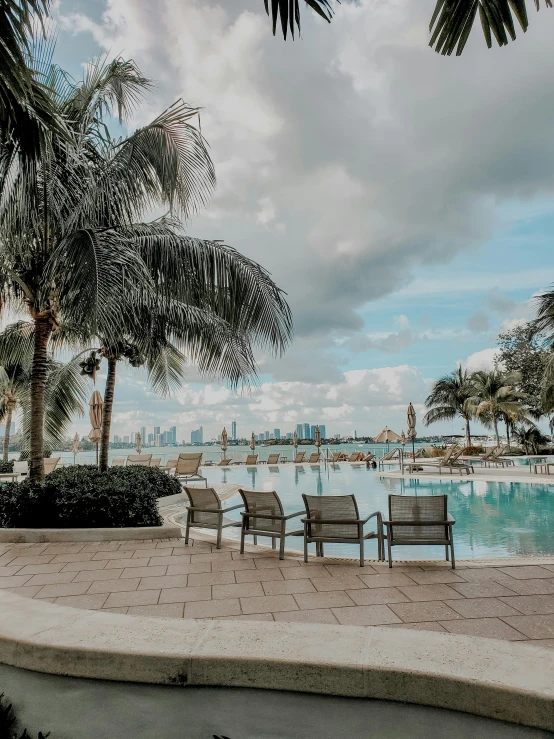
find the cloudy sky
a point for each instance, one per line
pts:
(401, 199)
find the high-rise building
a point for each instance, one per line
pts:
(116, 439)
(156, 430)
(143, 434)
(289, 435)
(150, 438)
(300, 430)
(197, 437)
(312, 432)
(277, 433)
(126, 439)
(261, 437)
(133, 437)
(157, 440)
(307, 431)
(173, 432)
(322, 430)
(355, 434)
(234, 431)
(267, 434)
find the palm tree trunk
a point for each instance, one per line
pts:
(107, 417)
(507, 432)
(7, 433)
(43, 329)
(495, 421)
(468, 432)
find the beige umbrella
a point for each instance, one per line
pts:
(317, 438)
(76, 442)
(96, 413)
(295, 443)
(387, 436)
(224, 441)
(412, 426)
(253, 442)
(403, 438)
(138, 447)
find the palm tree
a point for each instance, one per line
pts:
(450, 397)
(494, 396)
(72, 252)
(10, 388)
(530, 438)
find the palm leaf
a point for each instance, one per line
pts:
(288, 11)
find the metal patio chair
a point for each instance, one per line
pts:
(264, 516)
(206, 512)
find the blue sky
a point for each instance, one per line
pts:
(402, 200)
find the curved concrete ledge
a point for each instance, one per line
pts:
(501, 680)
(42, 536)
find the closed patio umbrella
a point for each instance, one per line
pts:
(253, 442)
(76, 442)
(138, 447)
(412, 426)
(224, 441)
(403, 439)
(317, 438)
(96, 414)
(295, 443)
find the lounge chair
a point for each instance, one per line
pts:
(20, 471)
(251, 459)
(419, 520)
(272, 459)
(155, 462)
(314, 458)
(171, 465)
(299, 458)
(390, 458)
(225, 463)
(206, 511)
(481, 457)
(335, 519)
(141, 460)
(354, 457)
(187, 468)
(118, 462)
(50, 464)
(498, 460)
(264, 516)
(450, 462)
(335, 458)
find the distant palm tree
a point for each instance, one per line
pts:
(530, 438)
(450, 397)
(495, 396)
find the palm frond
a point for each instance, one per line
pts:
(17, 344)
(452, 22)
(288, 12)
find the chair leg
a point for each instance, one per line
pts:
(447, 554)
(282, 542)
(187, 530)
(389, 547)
(361, 552)
(452, 550)
(242, 533)
(273, 543)
(255, 540)
(305, 547)
(219, 531)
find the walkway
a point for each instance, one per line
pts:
(506, 599)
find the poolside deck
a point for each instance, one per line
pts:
(510, 599)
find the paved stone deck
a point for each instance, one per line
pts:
(504, 599)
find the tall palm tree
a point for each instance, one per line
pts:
(495, 396)
(450, 397)
(73, 251)
(11, 386)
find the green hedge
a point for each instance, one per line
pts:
(84, 497)
(6, 467)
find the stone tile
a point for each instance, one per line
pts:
(431, 611)
(122, 610)
(260, 575)
(333, 599)
(247, 617)
(421, 626)
(129, 563)
(210, 557)
(440, 576)
(486, 589)
(342, 582)
(143, 571)
(9, 571)
(75, 557)
(189, 569)
(237, 590)
(493, 628)
(88, 602)
(52, 578)
(386, 581)
(267, 563)
(481, 607)
(165, 610)
(478, 574)
(382, 568)
(113, 555)
(530, 572)
(83, 566)
(314, 616)
(185, 595)
(429, 592)
(268, 604)
(141, 553)
(366, 615)
(529, 587)
(546, 643)
(168, 543)
(133, 598)
(237, 565)
(138, 544)
(113, 586)
(183, 559)
(211, 578)
(299, 573)
(28, 591)
(287, 587)
(42, 560)
(57, 589)
(15, 581)
(40, 569)
(348, 570)
(376, 596)
(46, 600)
(104, 546)
(64, 548)
(166, 581)
(531, 604)
(90, 576)
(212, 608)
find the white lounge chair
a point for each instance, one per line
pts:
(187, 468)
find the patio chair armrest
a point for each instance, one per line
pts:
(265, 516)
(419, 523)
(233, 507)
(371, 515)
(293, 515)
(450, 518)
(207, 510)
(341, 521)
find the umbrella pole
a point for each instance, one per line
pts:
(413, 448)
(97, 454)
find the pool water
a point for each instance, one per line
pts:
(493, 519)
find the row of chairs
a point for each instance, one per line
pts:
(412, 520)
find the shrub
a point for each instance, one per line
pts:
(84, 497)
(154, 478)
(6, 467)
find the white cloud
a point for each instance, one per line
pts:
(483, 360)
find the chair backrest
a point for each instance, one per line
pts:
(155, 462)
(188, 464)
(252, 459)
(490, 453)
(418, 508)
(389, 455)
(50, 464)
(264, 503)
(143, 460)
(338, 507)
(354, 457)
(21, 468)
(171, 464)
(118, 462)
(314, 458)
(452, 454)
(335, 457)
(205, 498)
(500, 451)
(299, 457)
(224, 463)
(273, 459)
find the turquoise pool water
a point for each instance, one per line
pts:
(493, 519)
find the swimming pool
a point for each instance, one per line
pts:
(493, 519)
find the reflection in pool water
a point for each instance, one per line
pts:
(493, 519)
